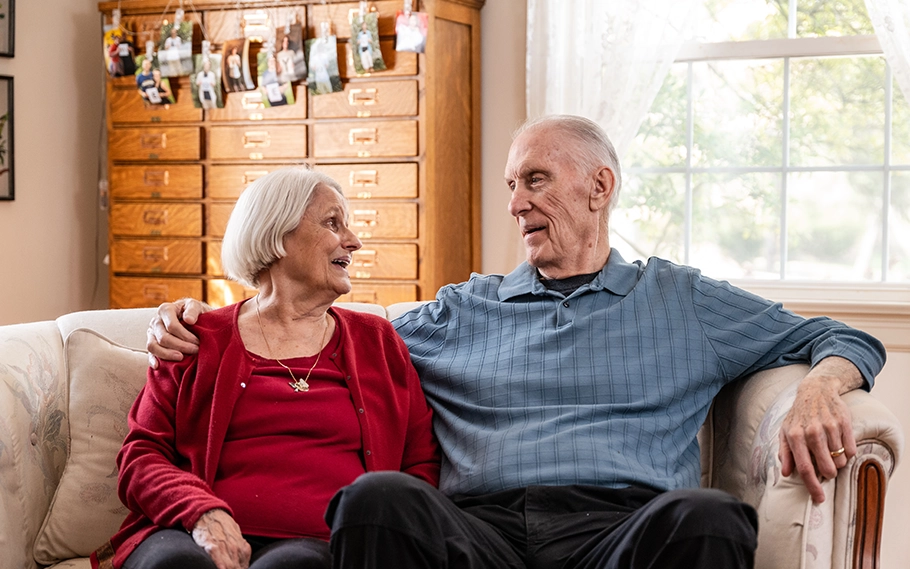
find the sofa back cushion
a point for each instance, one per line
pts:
(104, 379)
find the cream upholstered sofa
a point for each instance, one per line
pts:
(66, 386)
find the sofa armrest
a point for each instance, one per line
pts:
(740, 447)
(33, 433)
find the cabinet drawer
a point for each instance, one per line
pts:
(398, 63)
(217, 218)
(154, 143)
(156, 256)
(369, 181)
(156, 219)
(258, 142)
(365, 138)
(213, 259)
(136, 292)
(376, 220)
(340, 16)
(385, 261)
(376, 99)
(383, 294)
(226, 182)
(128, 107)
(248, 106)
(155, 182)
(222, 292)
(222, 25)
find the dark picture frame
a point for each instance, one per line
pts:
(6, 139)
(7, 27)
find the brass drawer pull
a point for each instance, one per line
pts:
(251, 176)
(358, 97)
(154, 254)
(252, 101)
(362, 136)
(256, 139)
(153, 140)
(154, 217)
(364, 178)
(365, 218)
(157, 177)
(155, 293)
(368, 296)
(365, 258)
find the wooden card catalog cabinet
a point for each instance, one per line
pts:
(403, 143)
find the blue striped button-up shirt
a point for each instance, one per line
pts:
(607, 386)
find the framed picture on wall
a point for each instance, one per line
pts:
(7, 27)
(6, 138)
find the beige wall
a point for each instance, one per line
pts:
(48, 235)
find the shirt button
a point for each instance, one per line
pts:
(566, 304)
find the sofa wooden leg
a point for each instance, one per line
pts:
(870, 509)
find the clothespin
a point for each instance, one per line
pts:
(206, 49)
(115, 17)
(363, 8)
(325, 27)
(287, 27)
(178, 17)
(408, 5)
(270, 46)
(150, 50)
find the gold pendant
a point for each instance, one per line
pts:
(299, 385)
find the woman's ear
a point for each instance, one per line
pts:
(604, 184)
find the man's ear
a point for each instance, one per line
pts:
(604, 184)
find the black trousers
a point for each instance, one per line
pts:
(390, 519)
(176, 549)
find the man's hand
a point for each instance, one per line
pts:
(219, 535)
(816, 438)
(168, 339)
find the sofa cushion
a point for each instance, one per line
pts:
(104, 379)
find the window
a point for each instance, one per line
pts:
(777, 149)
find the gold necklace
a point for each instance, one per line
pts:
(299, 384)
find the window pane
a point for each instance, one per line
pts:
(661, 138)
(738, 113)
(900, 127)
(834, 222)
(899, 229)
(837, 111)
(649, 217)
(739, 20)
(819, 18)
(736, 225)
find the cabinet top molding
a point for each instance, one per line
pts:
(140, 6)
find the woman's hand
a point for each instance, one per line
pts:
(219, 535)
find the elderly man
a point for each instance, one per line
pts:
(568, 394)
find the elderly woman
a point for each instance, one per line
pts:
(233, 453)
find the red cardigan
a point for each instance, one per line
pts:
(166, 482)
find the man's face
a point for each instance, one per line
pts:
(553, 200)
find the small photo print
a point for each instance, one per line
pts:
(235, 70)
(274, 92)
(290, 58)
(365, 43)
(205, 84)
(323, 76)
(153, 87)
(118, 53)
(175, 49)
(411, 31)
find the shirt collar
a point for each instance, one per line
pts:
(617, 277)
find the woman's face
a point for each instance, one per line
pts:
(319, 250)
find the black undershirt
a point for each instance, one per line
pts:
(567, 285)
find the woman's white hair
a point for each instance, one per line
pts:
(596, 150)
(267, 210)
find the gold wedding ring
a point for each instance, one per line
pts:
(837, 453)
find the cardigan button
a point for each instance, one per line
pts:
(360, 410)
(369, 453)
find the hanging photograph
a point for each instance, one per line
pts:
(175, 49)
(6, 138)
(235, 70)
(367, 57)
(275, 92)
(118, 53)
(290, 58)
(7, 27)
(411, 31)
(206, 82)
(323, 76)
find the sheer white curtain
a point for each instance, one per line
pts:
(891, 20)
(602, 59)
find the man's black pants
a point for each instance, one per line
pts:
(390, 519)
